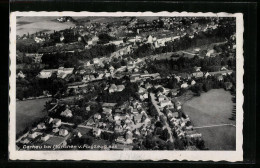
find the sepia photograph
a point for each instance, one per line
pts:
(126, 86)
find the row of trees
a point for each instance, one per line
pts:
(34, 87)
(213, 83)
(56, 60)
(184, 64)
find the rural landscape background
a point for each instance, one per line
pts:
(126, 83)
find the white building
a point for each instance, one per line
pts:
(67, 113)
(45, 137)
(46, 73)
(165, 103)
(184, 85)
(63, 72)
(63, 132)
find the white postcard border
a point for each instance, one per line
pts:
(231, 156)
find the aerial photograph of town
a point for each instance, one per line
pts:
(125, 83)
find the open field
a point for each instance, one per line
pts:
(29, 111)
(219, 138)
(213, 108)
(35, 24)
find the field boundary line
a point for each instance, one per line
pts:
(209, 126)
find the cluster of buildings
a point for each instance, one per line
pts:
(61, 72)
(38, 136)
(129, 121)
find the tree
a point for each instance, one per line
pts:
(165, 135)
(170, 145)
(77, 120)
(104, 38)
(87, 140)
(200, 144)
(178, 144)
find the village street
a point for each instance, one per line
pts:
(160, 113)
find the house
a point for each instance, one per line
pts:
(120, 88)
(197, 69)
(90, 122)
(137, 118)
(56, 122)
(193, 82)
(109, 105)
(62, 38)
(210, 52)
(33, 135)
(45, 137)
(111, 68)
(66, 113)
(121, 140)
(145, 95)
(119, 110)
(97, 116)
(129, 141)
(63, 132)
(129, 135)
(136, 69)
(175, 114)
(91, 77)
(21, 75)
(197, 74)
(39, 40)
(130, 66)
(206, 74)
(165, 103)
(149, 39)
(141, 90)
(46, 73)
(134, 78)
(220, 78)
(196, 50)
(96, 132)
(185, 75)
(112, 88)
(96, 61)
(169, 114)
(147, 121)
(41, 126)
(177, 105)
(55, 130)
(223, 68)
(63, 72)
(82, 131)
(195, 135)
(184, 85)
(118, 128)
(107, 75)
(161, 98)
(107, 110)
(117, 42)
(177, 78)
(148, 85)
(24, 140)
